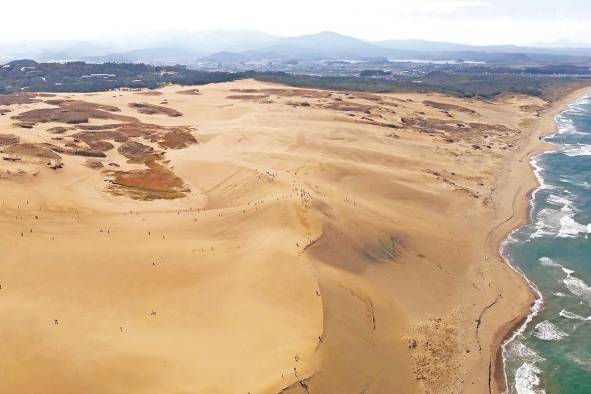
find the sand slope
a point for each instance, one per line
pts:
(302, 241)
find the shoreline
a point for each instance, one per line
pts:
(519, 185)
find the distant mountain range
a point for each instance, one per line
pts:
(248, 46)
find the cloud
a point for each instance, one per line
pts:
(467, 21)
(443, 6)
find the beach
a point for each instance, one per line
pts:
(520, 181)
(248, 237)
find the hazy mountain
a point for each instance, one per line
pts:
(241, 46)
(245, 56)
(326, 45)
(205, 42)
(331, 46)
(423, 45)
(320, 46)
(149, 55)
(157, 46)
(435, 46)
(323, 41)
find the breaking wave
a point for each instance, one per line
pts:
(577, 286)
(548, 262)
(547, 331)
(527, 379)
(573, 316)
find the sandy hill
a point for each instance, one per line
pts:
(254, 238)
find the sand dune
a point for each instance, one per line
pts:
(262, 240)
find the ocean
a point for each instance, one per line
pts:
(552, 352)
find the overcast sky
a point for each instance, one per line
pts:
(464, 21)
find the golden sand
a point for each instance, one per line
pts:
(267, 240)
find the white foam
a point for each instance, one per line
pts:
(519, 350)
(538, 172)
(559, 222)
(533, 312)
(573, 316)
(535, 308)
(527, 379)
(568, 271)
(565, 125)
(547, 331)
(577, 286)
(548, 262)
(577, 150)
(511, 239)
(578, 107)
(559, 294)
(548, 222)
(564, 203)
(584, 184)
(569, 228)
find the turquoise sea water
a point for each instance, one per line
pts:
(552, 354)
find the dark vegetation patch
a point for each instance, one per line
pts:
(8, 139)
(72, 149)
(100, 146)
(150, 93)
(39, 151)
(248, 97)
(189, 92)
(58, 130)
(18, 98)
(72, 112)
(83, 77)
(349, 106)
(137, 152)
(453, 131)
(298, 104)
(154, 182)
(487, 82)
(535, 109)
(177, 138)
(94, 164)
(169, 137)
(305, 93)
(365, 96)
(449, 107)
(24, 125)
(461, 84)
(151, 109)
(17, 150)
